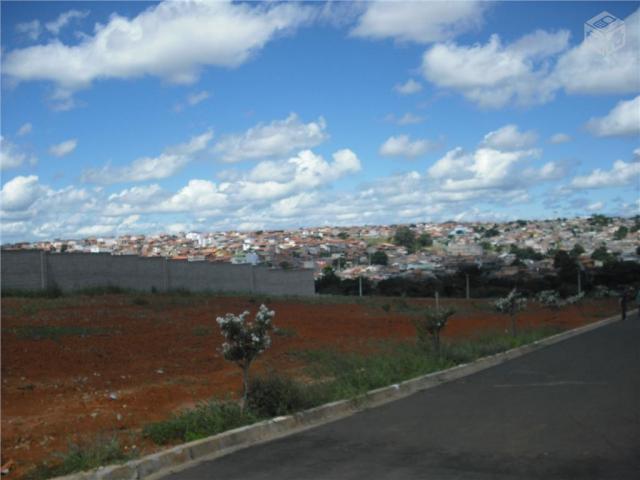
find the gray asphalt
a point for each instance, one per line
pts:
(568, 411)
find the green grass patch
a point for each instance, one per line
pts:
(52, 332)
(339, 375)
(80, 458)
(202, 330)
(97, 291)
(285, 332)
(202, 421)
(52, 292)
(349, 375)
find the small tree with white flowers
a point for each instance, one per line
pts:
(511, 305)
(245, 340)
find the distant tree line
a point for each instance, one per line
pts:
(612, 274)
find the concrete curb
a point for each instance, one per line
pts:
(183, 456)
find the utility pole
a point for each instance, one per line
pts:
(468, 290)
(579, 281)
(360, 284)
(437, 301)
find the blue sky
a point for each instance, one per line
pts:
(140, 117)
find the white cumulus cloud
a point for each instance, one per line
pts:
(494, 74)
(585, 70)
(172, 40)
(63, 148)
(151, 168)
(558, 138)
(12, 156)
(31, 30)
(63, 20)
(25, 129)
(621, 174)
(408, 88)
(403, 146)
(277, 138)
(304, 172)
(420, 22)
(486, 168)
(622, 120)
(20, 193)
(532, 69)
(510, 138)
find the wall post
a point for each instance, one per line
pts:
(252, 284)
(43, 270)
(165, 274)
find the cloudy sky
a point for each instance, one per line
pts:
(127, 117)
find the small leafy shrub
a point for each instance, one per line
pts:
(140, 301)
(602, 291)
(511, 305)
(276, 395)
(431, 324)
(244, 341)
(550, 298)
(386, 307)
(573, 299)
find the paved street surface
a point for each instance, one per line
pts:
(568, 411)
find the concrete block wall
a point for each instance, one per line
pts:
(203, 276)
(283, 282)
(23, 270)
(36, 270)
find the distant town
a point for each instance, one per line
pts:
(380, 252)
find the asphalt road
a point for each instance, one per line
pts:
(568, 411)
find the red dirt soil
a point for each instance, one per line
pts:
(162, 356)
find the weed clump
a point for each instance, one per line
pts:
(202, 421)
(275, 395)
(78, 458)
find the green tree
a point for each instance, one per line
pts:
(621, 233)
(431, 325)
(379, 258)
(425, 240)
(576, 251)
(600, 220)
(343, 235)
(565, 265)
(405, 237)
(492, 232)
(526, 253)
(602, 254)
(511, 305)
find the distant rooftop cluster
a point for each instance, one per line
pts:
(380, 251)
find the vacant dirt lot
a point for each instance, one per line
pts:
(74, 368)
